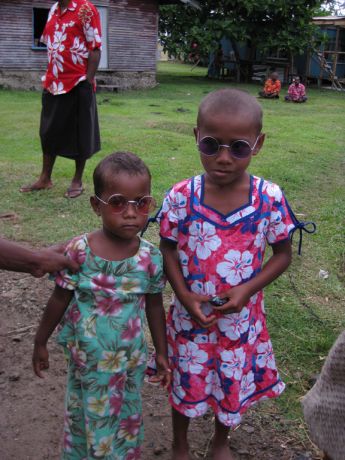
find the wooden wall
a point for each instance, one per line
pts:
(132, 35)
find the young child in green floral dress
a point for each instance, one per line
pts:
(101, 309)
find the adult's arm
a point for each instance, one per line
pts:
(15, 257)
(92, 64)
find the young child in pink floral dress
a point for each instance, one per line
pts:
(214, 230)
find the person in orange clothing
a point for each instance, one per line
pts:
(272, 87)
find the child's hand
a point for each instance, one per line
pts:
(237, 297)
(163, 375)
(40, 359)
(192, 304)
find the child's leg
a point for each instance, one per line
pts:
(180, 443)
(220, 444)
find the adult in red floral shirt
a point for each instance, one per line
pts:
(69, 120)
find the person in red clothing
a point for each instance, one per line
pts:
(69, 121)
(296, 91)
(272, 87)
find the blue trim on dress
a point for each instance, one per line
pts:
(250, 198)
(184, 401)
(229, 225)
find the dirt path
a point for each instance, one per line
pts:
(31, 409)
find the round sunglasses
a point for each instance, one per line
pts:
(119, 204)
(239, 149)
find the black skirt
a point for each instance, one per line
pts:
(69, 123)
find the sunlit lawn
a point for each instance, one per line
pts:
(303, 152)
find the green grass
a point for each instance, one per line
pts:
(303, 152)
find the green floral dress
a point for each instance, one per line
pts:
(103, 337)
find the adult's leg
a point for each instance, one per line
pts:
(180, 448)
(44, 181)
(220, 443)
(76, 187)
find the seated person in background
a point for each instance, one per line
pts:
(272, 87)
(296, 91)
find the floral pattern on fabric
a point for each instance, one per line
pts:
(69, 38)
(103, 337)
(230, 365)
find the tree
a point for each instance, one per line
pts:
(262, 24)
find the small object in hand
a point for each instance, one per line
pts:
(218, 302)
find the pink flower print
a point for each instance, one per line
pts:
(233, 363)
(67, 441)
(108, 306)
(76, 251)
(115, 403)
(181, 317)
(237, 268)
(265, 355)
(213, 386)
(203, 239)
(132, 330)
(73, 314)
(79, 356)
(235, 324)
(191, 358)
(134, 454)
(117, 382)
(129, 428)
(247, 386)
(104, 283)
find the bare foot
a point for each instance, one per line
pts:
(180, 454)
(36, 186)
(222, 452)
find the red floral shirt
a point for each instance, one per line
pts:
(69, 36)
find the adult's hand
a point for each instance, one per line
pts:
(51, 260)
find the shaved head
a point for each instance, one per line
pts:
(231, 102)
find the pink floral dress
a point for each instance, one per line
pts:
(103, 336)
(231, 365)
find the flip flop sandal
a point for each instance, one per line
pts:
(74, 192)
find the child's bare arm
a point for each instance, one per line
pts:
(239, 296)
(156, 320)
(52, 315)
(191, 301)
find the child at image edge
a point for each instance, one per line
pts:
(214, 229)
(120, 277)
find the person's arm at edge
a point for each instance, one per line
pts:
(52, 315)
(14, 257)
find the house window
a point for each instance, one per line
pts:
(39, 19)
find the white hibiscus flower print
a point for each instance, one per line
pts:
(78, 51)
(254, 331)
(235, 324)
(203, 239)
(238, 266)
(184, 263)
(191, 359)
(181, 318)
(233, 363)
(197, 411)
(265, 355)
(247, 386)
(213, 385)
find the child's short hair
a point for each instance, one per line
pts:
(231, 101)
(113, 164)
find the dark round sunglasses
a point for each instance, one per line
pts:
(119, 204)
(239, 149)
